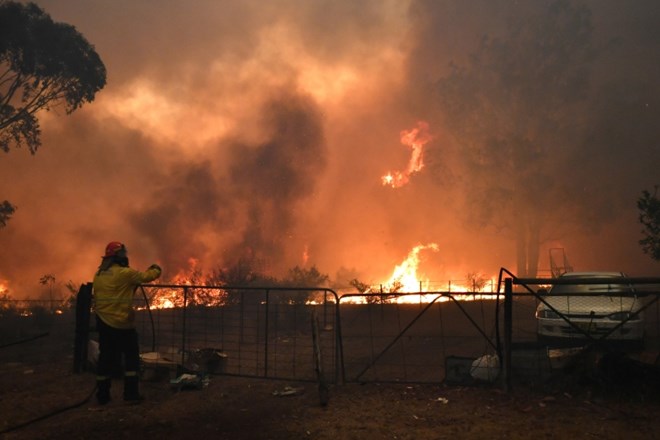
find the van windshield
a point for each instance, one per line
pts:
(592, 289)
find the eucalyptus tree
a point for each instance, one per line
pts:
(43, 64)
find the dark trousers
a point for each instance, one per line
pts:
(114, 345)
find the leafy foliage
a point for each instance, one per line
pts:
(301, 277)
(649, 217)
(244, 272)
(360, 286)
(476, 282)
(380, 297)
(42, 63)
(6, 211)
(47, 280)
(72, 288)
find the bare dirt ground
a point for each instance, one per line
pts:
(49, 400)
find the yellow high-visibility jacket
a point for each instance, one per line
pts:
(113, 293)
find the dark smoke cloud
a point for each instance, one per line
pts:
(275, 176)
(186, 204)
(246, 206)
(234, 127)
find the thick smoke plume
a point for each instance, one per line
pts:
(232, 129)
(245, 202)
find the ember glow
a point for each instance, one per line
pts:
(414, 138)
(166, 299)
(181, 295)
(169, 297)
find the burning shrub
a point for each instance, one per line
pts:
(301, 277)
(243, 273)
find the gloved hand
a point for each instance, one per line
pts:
(157, 267)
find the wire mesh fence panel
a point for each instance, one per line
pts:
(412, 341)
(261, 333)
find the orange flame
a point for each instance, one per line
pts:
(404, 278)
(189, 276)
(171, 298)
(4, 287)
(414, 138)
(305, 255)
(167, 298)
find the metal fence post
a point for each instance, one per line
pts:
(508, 332)
(183, 327)
(266, 333)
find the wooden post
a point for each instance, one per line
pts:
(83, 311)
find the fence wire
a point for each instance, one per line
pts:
(265, 332)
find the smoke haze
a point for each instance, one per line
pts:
(262, 129)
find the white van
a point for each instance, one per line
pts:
(592, 309)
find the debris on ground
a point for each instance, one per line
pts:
(189, 382)
(289, 391)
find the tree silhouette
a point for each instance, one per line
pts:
(48, 280)
(509, 111)
(649, 217)
(42, 64)
(6, 211)
(304, 277)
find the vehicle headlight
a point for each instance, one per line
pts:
(622, 316)
(546, 314)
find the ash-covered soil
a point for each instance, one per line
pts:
(50, 401)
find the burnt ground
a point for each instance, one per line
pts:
(49, 400)
(587, 399)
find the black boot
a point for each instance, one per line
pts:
(131, 389)
(103, 391)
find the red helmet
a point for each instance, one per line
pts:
(114, 248)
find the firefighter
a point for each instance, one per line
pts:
(115, 284)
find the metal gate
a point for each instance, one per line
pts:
(264, 332)
(415, 337)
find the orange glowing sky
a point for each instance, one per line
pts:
(234, 127)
